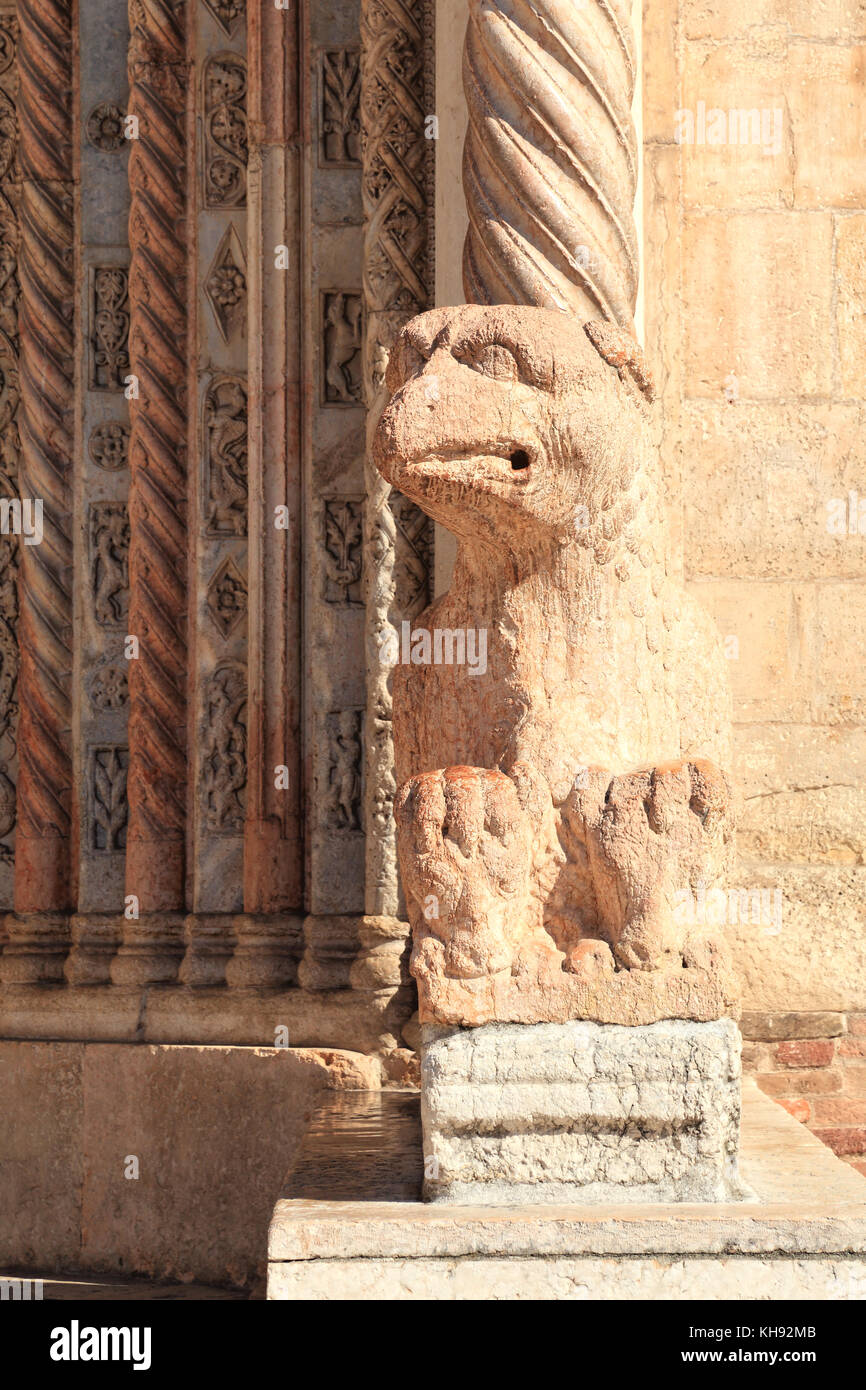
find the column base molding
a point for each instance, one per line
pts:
(95, 940)
(209, 942)
(151, 950)
(331, 947)
(34, 948)
(207, 979)
(383, 959)
(267, 951)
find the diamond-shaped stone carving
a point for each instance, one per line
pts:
(227, 13)
(226, 284)
(227, 598)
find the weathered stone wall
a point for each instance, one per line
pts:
(754, 263)
(103, 1169)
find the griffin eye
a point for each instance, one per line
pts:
(493, 360)
(520, 459)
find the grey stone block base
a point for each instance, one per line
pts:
(345, 1227)
(581, 1112)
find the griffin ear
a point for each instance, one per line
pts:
(622, 351)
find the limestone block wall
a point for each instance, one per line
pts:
(755, 270)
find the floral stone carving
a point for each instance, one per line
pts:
(557, 800)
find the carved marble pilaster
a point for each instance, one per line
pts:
(36, 945)
(102, 536)
(333, 436)
(158, 458)
(395, 289)
(219, 509)
(550, 160)
(268, 946)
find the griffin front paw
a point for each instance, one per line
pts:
(656, 832)
(464, 847)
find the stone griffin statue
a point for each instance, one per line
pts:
(553, 810)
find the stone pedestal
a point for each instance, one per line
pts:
(350, 1225)
(581, 1112)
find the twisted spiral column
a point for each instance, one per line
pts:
(155, 865)
(46, 327)
(550, 161)
(395, 289)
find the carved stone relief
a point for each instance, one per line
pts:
(108, 445)
(8, 34)
(109, 560)
(219, 761)
(225, 131)
(226, 284)
(8, 814)
(108, 687)
(345, 763)
(344, 558)
(109, 809)
(226, 480)
(227, 598)
(8, 117)
(413, 561)
(397, 199)
(105, 127)
(342, 315)
(340, 115)
(109, 332)
(9, 664)
(229, 14)
(224, 750)
(8, 639)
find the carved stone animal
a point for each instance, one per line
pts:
(553, 808)
(342, 340)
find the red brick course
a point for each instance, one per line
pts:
(850, 1139)
(833, 1110)
(799, 1108)
(819, 1077)
(803, 1083)
(807, 1052)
